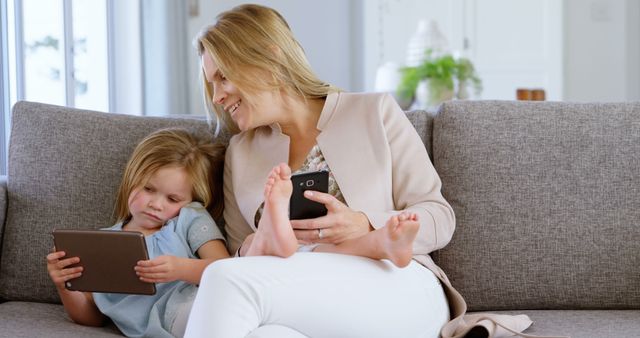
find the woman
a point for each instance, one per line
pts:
(260, 85)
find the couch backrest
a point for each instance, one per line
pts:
(547, 201)
(65, 166)
(423, 122)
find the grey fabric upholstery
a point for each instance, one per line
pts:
(423, 122)
(547, 203)
(583, 323)
(29, 319)
(65, 166)
(546, 198)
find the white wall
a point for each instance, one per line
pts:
(323, 28)
(346, 40)
(601, 50)
(577, 50)
(512, 43)
(389, 24)
(516, 44)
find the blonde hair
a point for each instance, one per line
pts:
(202, 160)
(253, 39)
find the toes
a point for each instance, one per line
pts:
(281, 172)
(393, 222)
(272, 176)
(267, 187)
(403, 217)
(407, 216)
(284, 171)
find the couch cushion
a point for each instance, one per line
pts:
(423, 122)
(65, 166)
(583, 324)
(28, 320)
(547, 202)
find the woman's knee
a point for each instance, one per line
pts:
(220, 269)
(238, 271)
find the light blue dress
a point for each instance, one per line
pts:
(153, 316)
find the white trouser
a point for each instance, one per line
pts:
(316, 295)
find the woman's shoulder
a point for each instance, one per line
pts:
(361, 95)
(243, 137)
(348, 106)
(347, 99)
(364, 102)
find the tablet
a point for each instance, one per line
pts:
(108, 258)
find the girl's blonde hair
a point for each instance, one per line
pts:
(202, 160)
(248, 41)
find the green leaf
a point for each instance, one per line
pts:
(441, 72)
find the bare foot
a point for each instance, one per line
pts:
(275, 236)
(397, 241)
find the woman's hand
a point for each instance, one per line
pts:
(340, 223)
(162, 269)
(58, 271)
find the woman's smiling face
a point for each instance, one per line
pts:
(243, 111)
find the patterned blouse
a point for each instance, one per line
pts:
(314, 162)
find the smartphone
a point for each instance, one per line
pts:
(301, 207)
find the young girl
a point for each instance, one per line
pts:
(170, 179)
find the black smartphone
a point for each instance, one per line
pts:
(301, 207)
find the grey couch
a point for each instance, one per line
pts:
(547, 199)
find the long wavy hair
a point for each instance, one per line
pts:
(202, 160)
(251, 40)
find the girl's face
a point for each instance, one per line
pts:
(245, 115)
(152, 205)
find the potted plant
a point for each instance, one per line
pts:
(444, 77)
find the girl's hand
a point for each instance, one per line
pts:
(340, 223)
(163, 269)
(58, 271)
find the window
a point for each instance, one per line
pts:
(54, 51)
(4, 85)
(43, 51)
(90, 52)
(65, 52)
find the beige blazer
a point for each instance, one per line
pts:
(379, 162)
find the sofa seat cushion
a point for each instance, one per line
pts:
(582, 323)
(26, 319)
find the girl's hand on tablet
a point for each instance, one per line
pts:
(59, 270)
(161, 269)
